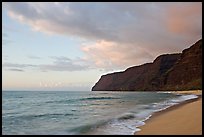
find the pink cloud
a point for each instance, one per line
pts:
(184, 19)
(111, 55)
(126, 34)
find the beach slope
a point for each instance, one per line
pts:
(184, 119)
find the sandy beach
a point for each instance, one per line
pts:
(182, 119)
(195, 92)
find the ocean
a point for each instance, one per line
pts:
(81, 112)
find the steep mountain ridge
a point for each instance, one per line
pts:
(180, 71)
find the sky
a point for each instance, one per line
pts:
(68, 46)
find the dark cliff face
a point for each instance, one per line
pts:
(187, 72)
(179, 71)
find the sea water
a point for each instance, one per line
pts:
(81, 112)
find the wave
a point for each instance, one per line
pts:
(129, 122)
(62, 101)
(86, 129)
(171, 102)
(166, 92)
(126, 116)
(98, 98)
(81, 99)
(125, 124)
(187, 97)
(52, 115)
(29, 117)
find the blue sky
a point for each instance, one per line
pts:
(69, 48)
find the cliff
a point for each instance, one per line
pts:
(181, 71)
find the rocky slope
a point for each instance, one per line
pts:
(181, 71)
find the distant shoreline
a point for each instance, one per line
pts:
(182, 119)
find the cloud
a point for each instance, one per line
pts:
(17, 65)
(61, 58)
(184, 19)
(58, 64)
(129, 31)
(111, 55)
(65, 64)
(19, 70)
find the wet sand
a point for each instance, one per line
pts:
(182, 119)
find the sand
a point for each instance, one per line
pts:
(195, 92)
(182, 119)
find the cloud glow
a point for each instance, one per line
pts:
(110, 36)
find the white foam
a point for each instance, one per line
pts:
(130, 126)
(187, 97)
(166, 104)
(168, 92)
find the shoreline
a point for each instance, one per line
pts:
(184, 118)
